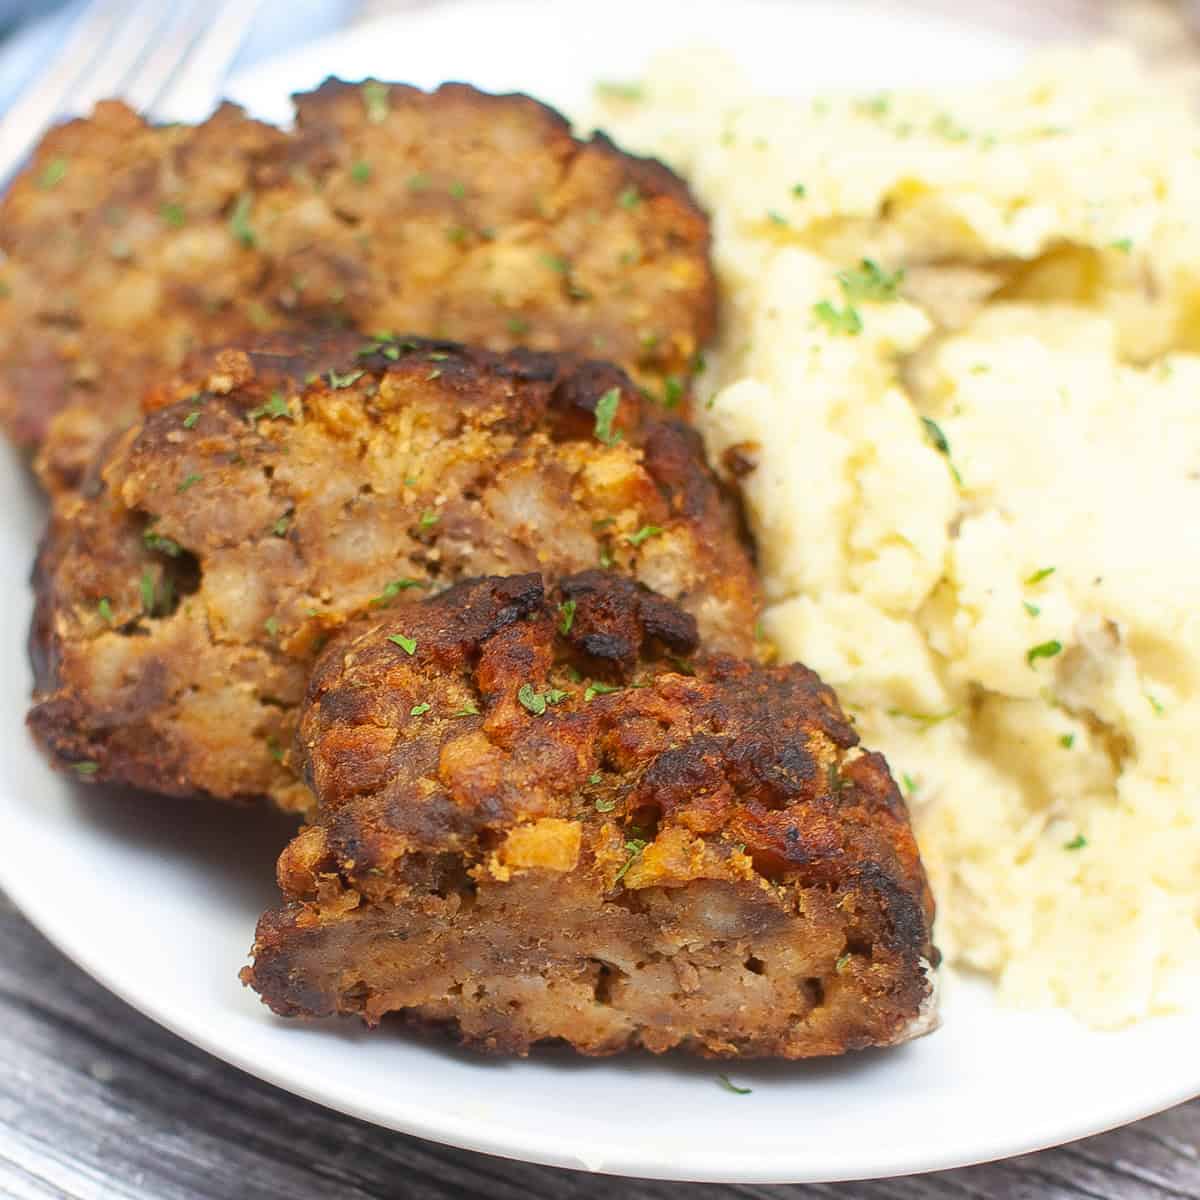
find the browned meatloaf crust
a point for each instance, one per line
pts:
(454, 214)
(185, 591)
(554, 818)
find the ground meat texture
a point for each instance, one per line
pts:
(552, 817)
(453, 214)
(184, 592)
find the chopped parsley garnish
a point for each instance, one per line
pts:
(566, 611)
(1125, 245)
(189, 422)
(457, 234)
(105, 609)
(375, 101)
(173, 214)
(534, 701)
(619, 90)
(629, 198)
(941, 444)
(458, 189)
(162, 545)
(148, 590)
(276, 406)
(280, 528)
(672, 391)
(646, 531)
(393, 589)
(418, 183)
(467, 710)
(55, 172)
(777, 218)
(730, 1086)
(1076, 843)
(603, 805)
(85, 768)
(1038, 576)
(239, 221)
(595, 777)
(910, 784)
(360, 171)
(337, 382)
(437, 356)
(846, 320)
(606, 558)
(1043, 650)
(869, 281)
(1067, 741)
(189, 482)
(842, 963)
(799, 191)
(1156, 705)
(945, 125)
(274, 749)
(429, 518)
(634, 848)
(407, 644)
(598, 688)
(419, 710)
(518, 326)
(606, 411)
(271, 625)
(1032, 609)
(555, 262)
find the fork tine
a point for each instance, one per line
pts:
(139, 31)
(189, 19)
(50, 95)
(195, 89)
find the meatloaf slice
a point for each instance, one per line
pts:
(553, 817)
(183, 594)
(452, 213)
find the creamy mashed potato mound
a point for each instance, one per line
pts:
(976, 487)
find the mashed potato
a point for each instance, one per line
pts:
(976, 486)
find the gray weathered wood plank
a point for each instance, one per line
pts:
(99, 1103)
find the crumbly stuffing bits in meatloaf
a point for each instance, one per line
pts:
(551, 817)
(184, 592)
(454, 214)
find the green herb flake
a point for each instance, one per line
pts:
(457, 234)
(606, 411)
(1156, 705)
(1032, 609)
(602, 805)
(274, 749)
(189, 422)
(518, 326)
(148, 589)
(419, 710)
(375, 101)
(910, 784)
(337, 382)
(946, 126)
(928, 720)
(174, 215)
(730, 1086)
(1038, 576)
(156, 543)
(646, 531)
(105, 609)
(407, 644)
(606, 558)
(940, 444)
(629, 198)
(634, 848)
(1124, 245)
(598, 688)
(531, 700)
(360, 171)
(799, 191)
(434, 373)
(630, 91)
(556, 263)
(869, 281)
(842, 963)
(458, 189)
(1076, 843)
(1067, 741)
(188, 483)
(429, 518)
(393, 589)
(595, 777)
(276, 406)
(85, 768)
(239, 221)
(53, 174)
(271, 625)
(280, 528)
(418, 183)
(846, 320)
(566, 615)
(1043, 650)
(467, 710)
(672, 392)
(777, 218)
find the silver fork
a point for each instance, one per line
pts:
(167, 60)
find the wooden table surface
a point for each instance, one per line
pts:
(99, 1103)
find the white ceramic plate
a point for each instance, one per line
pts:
(158, 900)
